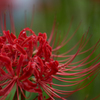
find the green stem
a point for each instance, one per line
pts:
(22, 96)
(15, 96)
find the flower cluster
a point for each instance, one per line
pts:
(25, 61)
(29, 63)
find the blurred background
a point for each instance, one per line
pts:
(44, 11)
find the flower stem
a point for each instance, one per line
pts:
(22, 96)
(15, 96)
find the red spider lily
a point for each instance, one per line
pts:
(28, 62)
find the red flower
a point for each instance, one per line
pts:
(28, 62)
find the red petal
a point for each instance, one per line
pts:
(8, 65)
(20, 63)
(29, 87)
(7, 33)
(20, 49)
(5, 91)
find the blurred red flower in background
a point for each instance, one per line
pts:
(4, 4)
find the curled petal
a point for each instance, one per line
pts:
(27, 72)
(20, 49)
(7, 34)
(8, 64)
(26, 85)
(20, 64)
